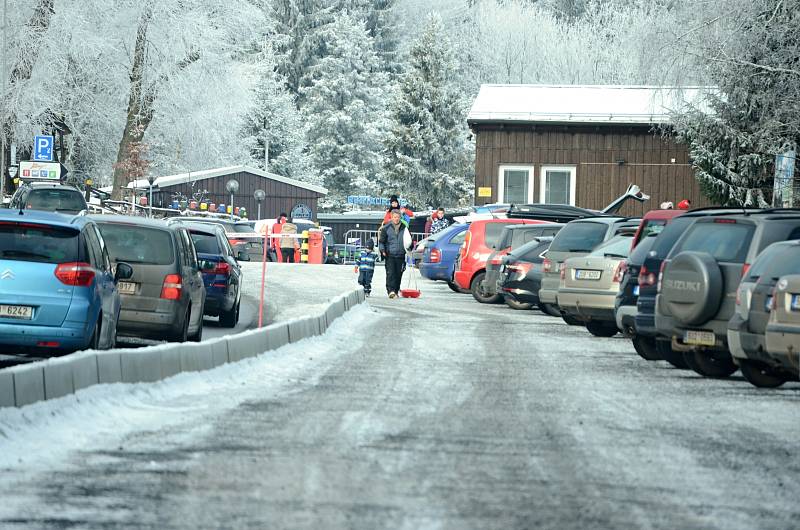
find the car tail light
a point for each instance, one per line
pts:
(436, 255)
(619, 272)
(646, 278)
(522, 268)
(75, 273)
(725, 221)
(745, 269)
(48, 344)
(171, 290)
(562, 270)
(467, 241)
(222, 268)
(661, 275)
(547, 265)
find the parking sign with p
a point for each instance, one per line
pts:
(43, 148)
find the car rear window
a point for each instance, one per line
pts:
(534, 251)
(652, 227)
(618, 247)
(459, 238)
(492, 233)
(205, 243)
(55, 200)
(138, 244)
(639, 254)
(244, 229)
(776, 261)
(579, 237)
(726, 241)
(39, 243)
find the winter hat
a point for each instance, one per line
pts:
(685, 204)
(370, 244)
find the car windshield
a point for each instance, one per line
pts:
(579, 237)
(40, 243)
(725, 239)
(205, 243)
(55, 200)
(616, 247)
(138, 244)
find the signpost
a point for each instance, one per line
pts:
(43, 148)
(31, 170)
(301, 211)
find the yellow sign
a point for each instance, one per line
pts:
(484, 192)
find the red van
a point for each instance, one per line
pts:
(653, 223)
(481, 237)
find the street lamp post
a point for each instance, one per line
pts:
(151, 179)
(232, 186)
(3, 96)
(259, 196)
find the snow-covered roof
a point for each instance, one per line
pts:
(596, 104)
(193, 176)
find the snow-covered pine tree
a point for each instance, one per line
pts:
(382, 22)
(428, 154)
(345, 109)
(274, 121)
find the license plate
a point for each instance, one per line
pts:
(22, 312)
(700, 338)
(581, 274)
(127, 288)
(635, 290)
(795, 302)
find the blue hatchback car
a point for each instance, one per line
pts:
(58, 291)
(441, 251)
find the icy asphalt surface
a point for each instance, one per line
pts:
(429, 413)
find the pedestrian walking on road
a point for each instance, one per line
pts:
(289, 244)
(393, 250)
(365, 266)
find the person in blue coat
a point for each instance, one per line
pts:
(365, 266)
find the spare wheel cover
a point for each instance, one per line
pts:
(692, 287)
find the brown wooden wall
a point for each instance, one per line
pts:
(280, 197)
(594, 151)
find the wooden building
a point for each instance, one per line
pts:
(580, 145)
(282, 194)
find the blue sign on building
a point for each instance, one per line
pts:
(301, 211)
(43, 148)
(371, 201)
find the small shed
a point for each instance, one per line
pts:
(580, 145)
(281, 194)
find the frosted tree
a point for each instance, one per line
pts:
(428, 158)
(382, 22)
(345, 109)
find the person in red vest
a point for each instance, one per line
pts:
(276, 230)
(685, 204)
(394, 204)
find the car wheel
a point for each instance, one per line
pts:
(602, 329)
(183, 334)
(94, 342)
(550, 309)
(478, 292)
(571, 320)
(520, 306)
(646, 348)
(197, 336)
(228, 319)
(716, 365)
(675, 358)
(760, 375)
(454, 286)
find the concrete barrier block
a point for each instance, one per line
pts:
(28, 385)
(277, 336)
(171, 360)
(322, 324)
(7, 389)
(354, 299)
(219, 352)
(109, 368)
(362, 296)
(242, 346)
(346, 303)
(140, 366)
(58, 380)
(84, 372)
(195, 357)
(297, 330)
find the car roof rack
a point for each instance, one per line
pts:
(560, 213)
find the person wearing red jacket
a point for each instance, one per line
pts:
(394, 204)
(685, 204)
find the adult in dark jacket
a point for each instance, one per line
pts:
(394, 252)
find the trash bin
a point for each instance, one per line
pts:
(315, 244)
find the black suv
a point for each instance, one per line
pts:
(49, 197)
(701, 275)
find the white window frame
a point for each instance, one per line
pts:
(543, 181)
(501, 181)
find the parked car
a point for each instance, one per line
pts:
(755, 300)
(513, 236)
(647, 340)
(521, 274)
(628, 294)
(481, 236)
(49, 197)
(222, 274)
(576, 239)
(165, 297)
(699, 279)
(653, 223)
(783, 328)
(241, 234)
(441, 253)
(58, 289)
(589, 285)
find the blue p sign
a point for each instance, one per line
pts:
(43, 149)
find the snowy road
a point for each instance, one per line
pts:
(429, 413)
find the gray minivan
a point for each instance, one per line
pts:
(165, 297)
(576, 239)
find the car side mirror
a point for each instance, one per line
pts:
(242, 255)
(123, 272)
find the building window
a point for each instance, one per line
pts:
(557, 185)
(515, 184)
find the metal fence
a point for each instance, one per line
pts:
(355, 240)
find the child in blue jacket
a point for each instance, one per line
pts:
(365, 266)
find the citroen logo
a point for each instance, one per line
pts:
(7, 274)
